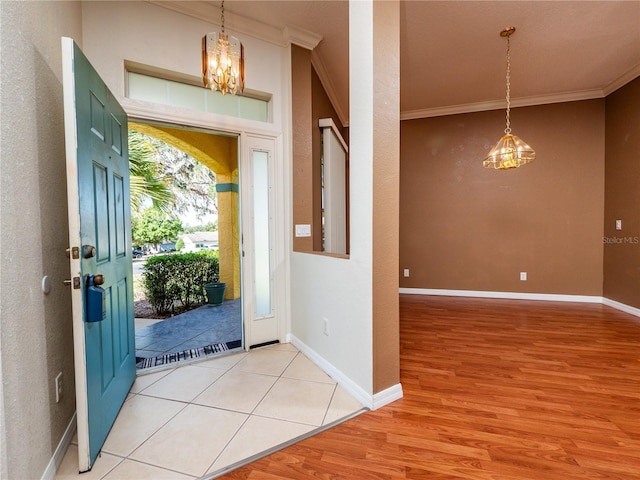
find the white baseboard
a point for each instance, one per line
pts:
(549, 297)
(387, 396)
(372, 402)
(345, 382)
(621, 306)
(61, 450)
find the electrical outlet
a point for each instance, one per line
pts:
(325, 326)
(523, 276)
(406, 272)
(58, 387)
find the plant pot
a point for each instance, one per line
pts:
(215, 292)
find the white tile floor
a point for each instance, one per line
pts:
(197, 420)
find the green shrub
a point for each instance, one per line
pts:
(179, 279)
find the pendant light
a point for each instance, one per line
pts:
(510, 151)
(222, 61)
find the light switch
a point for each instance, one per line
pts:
(618, 224)
(303, 230)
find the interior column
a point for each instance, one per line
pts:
(374, 51)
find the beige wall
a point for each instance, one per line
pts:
(301, 105)
(386, 185)
(463, 227)
(36, 336)
(622, 196)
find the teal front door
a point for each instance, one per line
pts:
(100, 250)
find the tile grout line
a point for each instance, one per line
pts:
(333, 394)
(186, 404)
(280, 446)
(216, 408)
(250, 414)
(314, 428)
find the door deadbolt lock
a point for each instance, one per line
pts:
(88, 251)
(73, 252)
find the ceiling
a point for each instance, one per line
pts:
(453, 59)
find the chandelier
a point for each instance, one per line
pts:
(222, 61)
(510, 151)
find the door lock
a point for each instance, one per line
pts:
(88, 251)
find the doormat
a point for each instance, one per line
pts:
(190, 354)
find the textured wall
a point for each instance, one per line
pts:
(36, 336)
(302, 148)
(463, 227)
(386, 186)
(622, 196)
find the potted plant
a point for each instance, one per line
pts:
(215, 292)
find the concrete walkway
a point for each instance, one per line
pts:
(196, 328)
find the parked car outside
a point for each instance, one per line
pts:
(137, 253)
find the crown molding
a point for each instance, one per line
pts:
(209, 13)
(524, 101)
(622, 80)
(499, 104)
(301, 37)
(325, 79)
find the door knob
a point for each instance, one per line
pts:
(96, 280)
(88, 251)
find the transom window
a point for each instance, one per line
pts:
(158, 87)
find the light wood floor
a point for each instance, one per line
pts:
(493, 390)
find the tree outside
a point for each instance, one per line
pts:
(166, 183)
(147, 181)
(171, 180)
(155, 227)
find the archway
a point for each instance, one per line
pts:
(219, 153)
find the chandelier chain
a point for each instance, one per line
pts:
(222, 16)
(508, 129)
